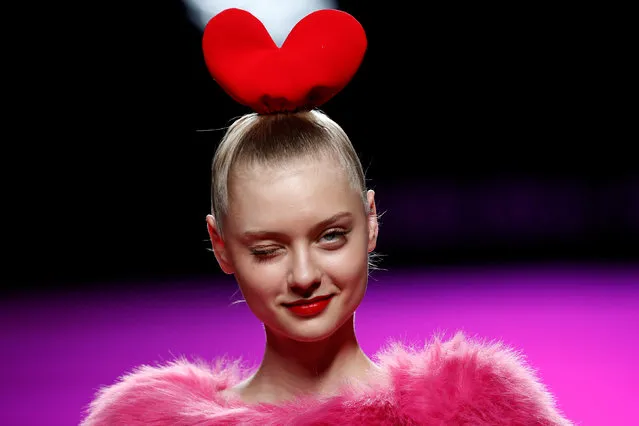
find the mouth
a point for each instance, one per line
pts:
(310, 307)
(304, 302)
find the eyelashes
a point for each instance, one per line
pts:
(332, 240)
(335, 233)
(263, 253)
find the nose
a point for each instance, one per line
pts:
(304, 275)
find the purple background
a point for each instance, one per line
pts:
(576, 324)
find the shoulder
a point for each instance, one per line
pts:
(469, 381)
(163, 394)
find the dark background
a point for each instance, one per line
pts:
(490, 135)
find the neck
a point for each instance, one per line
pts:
(290, 368)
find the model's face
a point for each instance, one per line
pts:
(293, 233)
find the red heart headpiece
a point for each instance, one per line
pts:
(318, 58)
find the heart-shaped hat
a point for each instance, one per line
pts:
(318, 58)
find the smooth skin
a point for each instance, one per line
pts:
(291, 233)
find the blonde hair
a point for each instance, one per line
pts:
(274, 140)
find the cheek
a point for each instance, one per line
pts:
(349, 266)
(258, 282)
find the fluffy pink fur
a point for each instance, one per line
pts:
(461, 381)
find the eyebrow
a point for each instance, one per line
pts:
(256, 235)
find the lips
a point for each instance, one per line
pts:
(308, 301)
(309, 307)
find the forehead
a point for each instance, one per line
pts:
(298, 193)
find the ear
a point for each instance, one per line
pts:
(218, 245)
(373, 225)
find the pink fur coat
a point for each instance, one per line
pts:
(461, 381)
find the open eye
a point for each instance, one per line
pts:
(334, 236)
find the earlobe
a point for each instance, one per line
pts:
(373, 225)
(218, 245)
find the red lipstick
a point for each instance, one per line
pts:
(311, 307)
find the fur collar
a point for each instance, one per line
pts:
(461, 381)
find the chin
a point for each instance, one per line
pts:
(311, 333)
(305, 330)
(313, 329)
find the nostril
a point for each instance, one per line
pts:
(305, 290)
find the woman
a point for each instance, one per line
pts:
(293, 221)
